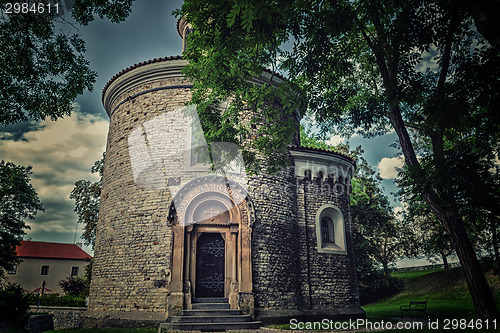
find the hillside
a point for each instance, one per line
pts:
(445, 290)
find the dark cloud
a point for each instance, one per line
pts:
(17, 132)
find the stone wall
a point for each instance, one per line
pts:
(133, 241)
(274, 244)
(147, 163)
(39, 323)
(328, 280)
(64, 317)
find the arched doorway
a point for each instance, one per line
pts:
(210, 214)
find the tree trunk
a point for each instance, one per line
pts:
(386, 267)
(495, 248)
(445, 260)
(482, 297)
(449, 217)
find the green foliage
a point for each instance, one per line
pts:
(419, 68)
(377, 285)
(18, 201)
(215, 55)
(42, 71)
(445, 291)
(13, 304)
(88, 277)
(87, 198)
(54, 299)
(74, 286)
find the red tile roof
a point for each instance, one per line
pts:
(31, 249)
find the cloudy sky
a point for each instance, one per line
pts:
(62, 152)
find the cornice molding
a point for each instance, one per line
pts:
(141, 74)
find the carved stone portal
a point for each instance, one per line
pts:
(211, 255)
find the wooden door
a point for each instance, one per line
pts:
(210, 260)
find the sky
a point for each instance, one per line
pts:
(62, 152)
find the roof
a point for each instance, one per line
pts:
(350, 159)
(155, 60)
(128, 69)
(31, 249)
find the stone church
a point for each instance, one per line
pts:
(177, 239)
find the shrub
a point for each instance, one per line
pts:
(376, 285)
(57, 300)
(14, 304)
(74, 286)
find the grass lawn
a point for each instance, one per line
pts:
(107, 330)
(445, 290)
(447, 295)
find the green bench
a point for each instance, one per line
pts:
(414, 306)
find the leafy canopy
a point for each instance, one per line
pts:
(18, 201)
(87, 199)
(42, 71)
(422, 69)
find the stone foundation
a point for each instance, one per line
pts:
(64, 316)
(121, 319)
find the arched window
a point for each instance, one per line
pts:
(330, 230)
(327, 230)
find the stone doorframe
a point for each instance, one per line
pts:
(198, 198)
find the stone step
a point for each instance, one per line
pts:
(210, 300)
(211, 326)
(210, 306)
(218, 319)
(211, 312)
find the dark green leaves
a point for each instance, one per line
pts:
(87, 199)
(18, 201)
(42, 71)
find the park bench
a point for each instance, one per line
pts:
(414, 306)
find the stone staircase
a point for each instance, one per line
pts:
(210, 314)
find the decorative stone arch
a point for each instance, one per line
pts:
(211, 204)
(330, 216)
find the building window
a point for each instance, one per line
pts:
(13, 270)
(327, 230)
(330, 230)
(45, 270)
(74, 271)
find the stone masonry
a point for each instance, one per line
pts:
(288, 242)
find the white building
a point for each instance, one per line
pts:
(49, 262)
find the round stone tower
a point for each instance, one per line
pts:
(172, 232)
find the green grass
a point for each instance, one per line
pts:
(412, 274)
(445, 290)
(107, 330)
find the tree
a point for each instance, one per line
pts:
(74, 286)
(367, 66)
(18, 201)
(428, 235)
(375, 224)
(87, 196)
(42, 72)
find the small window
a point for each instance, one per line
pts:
(330, 230)
(45, 270)
(12, 271)
(74, 271)
(327, 230)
